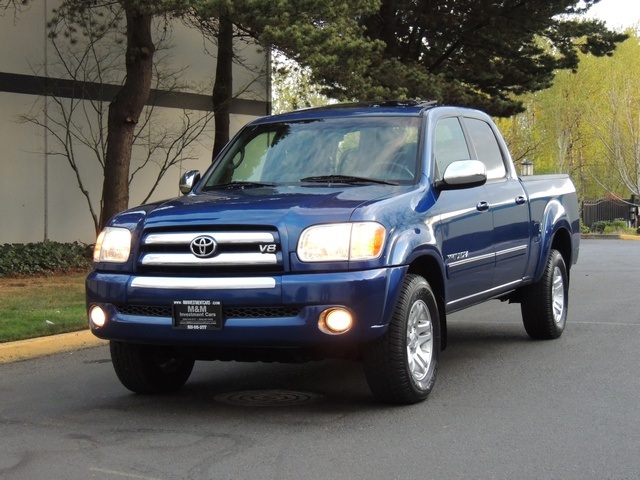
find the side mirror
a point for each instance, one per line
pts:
(463, 174)
(188, 180)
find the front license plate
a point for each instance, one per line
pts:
(197, 314)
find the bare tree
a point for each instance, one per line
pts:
(127, 103)
(15, 5)
(78, 121)
(621, 135)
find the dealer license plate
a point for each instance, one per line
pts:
(197, 314)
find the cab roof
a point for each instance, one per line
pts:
(403, 108)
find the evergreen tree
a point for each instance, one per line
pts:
(480, 54)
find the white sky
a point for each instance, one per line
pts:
(618, 14)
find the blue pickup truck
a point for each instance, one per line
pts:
(348, 231)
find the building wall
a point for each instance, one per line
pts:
(39, 193)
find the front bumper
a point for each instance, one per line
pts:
(139, 308)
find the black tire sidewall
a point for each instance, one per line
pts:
(386, 360)
(140, 369)
(423, 292)
(559, 262)
(537, 301)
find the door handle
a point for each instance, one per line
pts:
(482, 206)
(520, 200)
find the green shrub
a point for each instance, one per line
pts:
(618, 228)
(42, 258)
(617, 225)
(612, 227)
(599, 226)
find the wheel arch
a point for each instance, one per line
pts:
(556, 235)
(430, 268)
(560, 241)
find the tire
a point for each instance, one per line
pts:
(150, 369)
(402, 365)
(544, 304)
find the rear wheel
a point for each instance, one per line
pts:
(401, 366)
(150, 368)
(545, 303)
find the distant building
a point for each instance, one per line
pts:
(39, 194)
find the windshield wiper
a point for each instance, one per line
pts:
(346, 179)
(240, 185)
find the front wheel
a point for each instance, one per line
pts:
(401, 366)
(150, 368)
(545, 303)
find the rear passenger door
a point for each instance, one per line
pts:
(507, 202)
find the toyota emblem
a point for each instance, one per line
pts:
(203, 246)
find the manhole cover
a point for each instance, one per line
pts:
(267, 398)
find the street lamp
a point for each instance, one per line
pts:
(527, 168)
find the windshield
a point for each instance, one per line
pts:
(337, 150)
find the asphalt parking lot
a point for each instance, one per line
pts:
(504, 406)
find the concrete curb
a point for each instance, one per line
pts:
(39, 347)
(630, 237)
(603, 236)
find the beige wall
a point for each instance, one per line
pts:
(39, 193)
(21, 173)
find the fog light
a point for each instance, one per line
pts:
(335, 321)
(98, 316)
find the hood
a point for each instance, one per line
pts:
(288, 208)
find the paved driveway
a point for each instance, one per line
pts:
(504, 407)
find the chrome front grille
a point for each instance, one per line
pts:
(221, 260)
(207, 250)
(221, 237)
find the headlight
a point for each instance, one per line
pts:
(341, 242)
(113, 245)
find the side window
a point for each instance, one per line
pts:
(244, 162)
(486, 147)
(449, 143)
(248, 163)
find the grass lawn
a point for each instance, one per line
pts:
(38, 306)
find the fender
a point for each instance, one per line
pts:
(409, 243)
(417, 246)
(555, 217)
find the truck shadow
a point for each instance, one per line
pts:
(330, 387)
